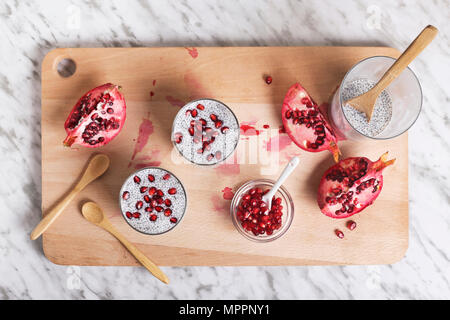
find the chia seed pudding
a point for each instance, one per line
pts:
(382, 111)
(205, 131)
(152, 200)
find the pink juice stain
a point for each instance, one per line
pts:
(193, 52)
(175, 102)
(145, 130)
(196, 87)
(227, 193)
(218, 204)
(248, 129)
(147, 164)
(229, 168)
(278, 143)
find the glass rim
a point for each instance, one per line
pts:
(290, 214)
(342, 106)
(123, 214)
(224, 158)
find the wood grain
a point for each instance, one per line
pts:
(206, 235)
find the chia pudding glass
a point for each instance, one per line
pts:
(205, 131)
(153, 200)
(396, 109)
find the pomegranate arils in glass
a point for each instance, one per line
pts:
(213, 117)
(167, 212)
(129, 214)
(166, 176)
(137, 179)
(254, 215)
(168, 202)
(151, 178)
(173, 220)
(194, 113)
(218, 124)
(136, 215)
(139, 205)
(148, 209)
(147, 199)
(152, 191)
(172, 191)
(339, 234)
(178, 137)
(159, 208)
(125, 195)
(200, 107)
(351, 225)
(143, 189)
(224, 129)
(153, 217)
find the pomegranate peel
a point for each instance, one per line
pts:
(96, 118)
(351, 185)
(305, 124)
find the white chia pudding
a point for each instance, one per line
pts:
(382, 111)
(205, 131)
(152, 200)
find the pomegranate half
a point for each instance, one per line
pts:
(305, 123)
(351, 185)
(96, 118)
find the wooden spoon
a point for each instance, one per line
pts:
(96, 167)
(93, 213)
(366, 102)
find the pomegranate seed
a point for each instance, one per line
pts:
(110, 110)
(203, 122)
(173, 220)
(166, 176)
(168, 202)
(125, 195)
(136, 215)
(339, 234)
(151, 178)
(159, 208)
(143, 189)
(152, 191)
(194, 113)
(153, 217)
(148, 209)
(218, 124)
(137, 179)
(200, 107)
(139, 205)
(213, 117)
(209, 157)
(224, 129)
(167, 212)
(153, 203)
(191, 131)
(268, 79)
(160, 200)
(218, 155)
(172, 191)
(160, 193)
(178, 137)
(188, 112)
(129, 214)
(147, 199)
(351, 225)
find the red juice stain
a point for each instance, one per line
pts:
(193, 52)
(218, 204)
(268, 79)
(278, 143)
(154, 82)
(145, 130)
(266, 126)
(229, 168)
(248, 128)
(175, 102)
(151, 94)
(227, 193)
(148, 164)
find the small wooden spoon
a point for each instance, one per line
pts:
(93, 213)
(96, 167)
(366, 102)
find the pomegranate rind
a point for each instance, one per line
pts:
(119, 106)
(301, 135)
(365, 198)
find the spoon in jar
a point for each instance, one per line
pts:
(267, 198)
(93, 213)
(366, 102)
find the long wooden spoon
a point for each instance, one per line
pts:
(93, 213)
(366, 102)
(96, 167)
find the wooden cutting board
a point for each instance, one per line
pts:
(156, 81)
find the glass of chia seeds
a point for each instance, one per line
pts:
(153, 200)
(205, 131)
(396, 109)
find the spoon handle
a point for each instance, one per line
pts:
(286, 172)
(146, 262)
(53, 214)
(416, 47)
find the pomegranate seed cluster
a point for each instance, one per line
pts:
(255, 216)
(310, 118)
(205, 131)
(152, 200)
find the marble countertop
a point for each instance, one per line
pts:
(30, 29)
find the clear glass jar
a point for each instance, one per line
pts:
(405, 93)
(286, 202)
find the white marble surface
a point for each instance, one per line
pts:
(29, 29)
